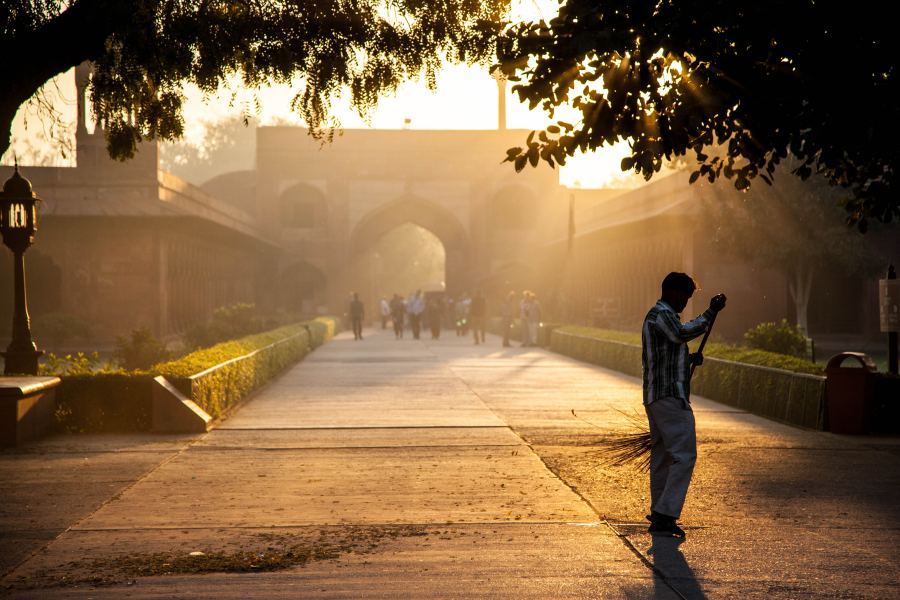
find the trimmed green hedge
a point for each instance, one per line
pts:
(792, 396)
(749, 356)
(216, 378)
(106, 402)
(219, 377)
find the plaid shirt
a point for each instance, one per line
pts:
(667, 367)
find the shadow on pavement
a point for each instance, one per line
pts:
(668, 560)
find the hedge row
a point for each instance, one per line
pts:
(749, 356)
(216, 378)
(793, 397)
(104, 402)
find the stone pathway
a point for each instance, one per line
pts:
(378, 448)
(390, 469)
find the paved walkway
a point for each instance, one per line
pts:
(418, 469)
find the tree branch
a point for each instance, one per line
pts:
(82, 30)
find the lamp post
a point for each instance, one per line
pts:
(18, 222)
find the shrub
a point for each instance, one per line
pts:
(104, 402)
(205, 358)
(227, 323)
(75, 364)
(56, 329)
(781, 337)
(140, 350)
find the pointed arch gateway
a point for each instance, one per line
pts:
(428, 215)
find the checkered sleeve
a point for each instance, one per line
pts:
(678, 332)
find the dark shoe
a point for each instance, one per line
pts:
(665, 526)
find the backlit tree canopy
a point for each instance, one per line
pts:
(144, 51)
(737, 83)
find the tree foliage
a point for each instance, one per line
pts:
(144, 51)
(755, 81)
(793, 227)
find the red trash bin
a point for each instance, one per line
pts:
(849, 392)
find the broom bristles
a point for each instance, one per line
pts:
(629, 448)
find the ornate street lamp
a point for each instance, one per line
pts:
(18, 222)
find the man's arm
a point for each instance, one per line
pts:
(679, 332)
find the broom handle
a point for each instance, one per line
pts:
(703, 341)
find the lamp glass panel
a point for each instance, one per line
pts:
(18, 216)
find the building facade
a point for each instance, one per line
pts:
(128, 245)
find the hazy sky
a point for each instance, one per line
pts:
(466, 98)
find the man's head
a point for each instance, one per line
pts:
(677, 289)
(356, 295)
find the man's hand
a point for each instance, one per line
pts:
(718, 302)
(696, 359)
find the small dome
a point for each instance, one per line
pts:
(17, 186)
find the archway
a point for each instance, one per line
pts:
(406, 258)
(408, 218)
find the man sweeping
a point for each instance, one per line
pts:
(667, 378)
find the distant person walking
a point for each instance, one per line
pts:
(507, 314)
(415, 306)
(357, 314)
(462, 315)
(478, 316)
(534, 319)
(449, 313)
(398, 312)
(385, 308)
(523, 317)
(667, 379)
(434, 313)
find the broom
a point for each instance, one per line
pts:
(633, 447)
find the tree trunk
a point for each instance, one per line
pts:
(33, 58)
(800, 286)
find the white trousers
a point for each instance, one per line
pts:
(673, 454)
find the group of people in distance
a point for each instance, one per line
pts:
(434, 312)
